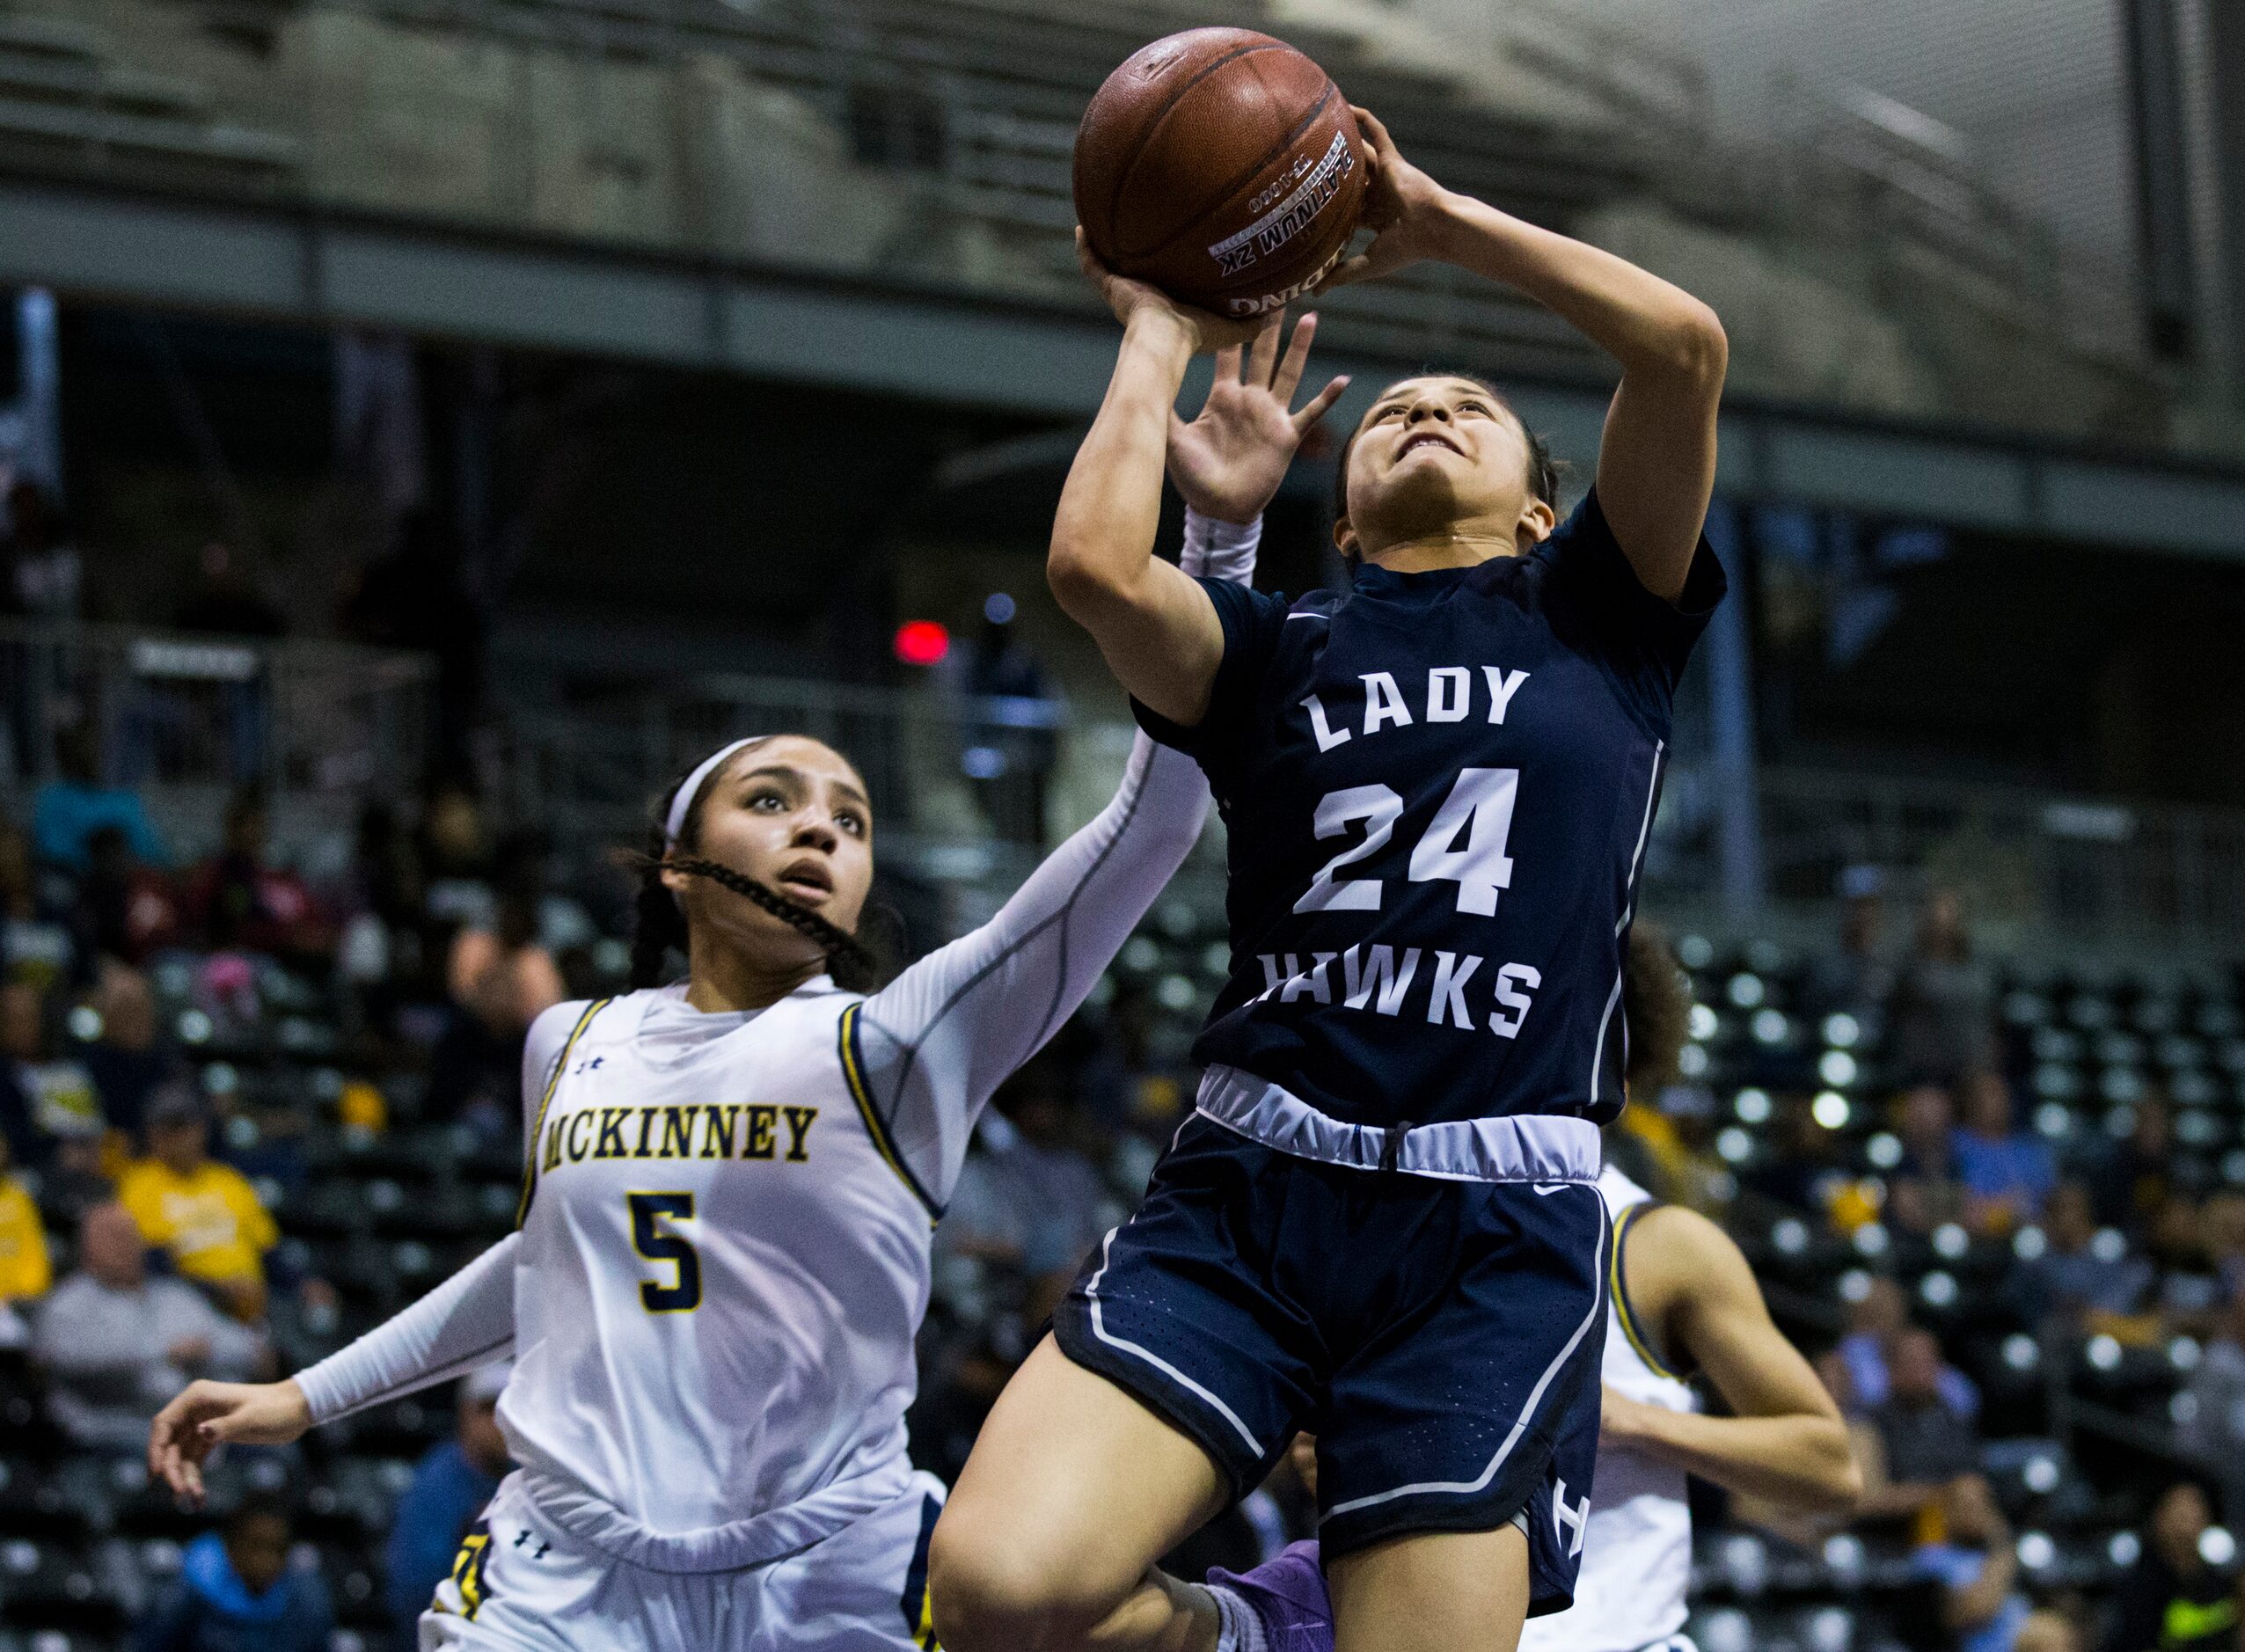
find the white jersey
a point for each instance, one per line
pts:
(1637, 1546)
(724, 1249)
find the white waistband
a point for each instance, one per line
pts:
(1530, 1147)
(731, 1548)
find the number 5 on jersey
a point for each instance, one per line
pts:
(1479, 808)
(658, 1244)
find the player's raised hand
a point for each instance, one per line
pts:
(205, 1415)
(1230, 460)
(1404, 208)
(1128, 298)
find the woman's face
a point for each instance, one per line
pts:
(1438, 456)
(791, 813)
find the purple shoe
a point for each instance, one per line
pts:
(1288, 1598)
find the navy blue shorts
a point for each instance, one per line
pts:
(1442, 1339)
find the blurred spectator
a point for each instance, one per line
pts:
(24, 1271)
(500, 979)
(449, 1489)
(2190, 1288)
(2085, 1271)
(45, 579)
(1938, 1021)
(238, 1592)
(125, 910)
(2133, 1181)
(1926, 1190)
(223, 599)
(66, 811)
(380, 950)
(455, 856)
(1858, 978)
(2222, 1222)
(1927, 1443)
(1027, 1197)
(239, 899)
(205, 1214)
(53, 1094)
(1010, 745)
(120, 1344)
(2173, 1597)
(1874, 1324)
(1975, 1565)
(2211, 1419)
(415, 598)
(2007, 1172)
(2047, 1630)
(1804, 1171)
(126, 1058)
(32, 950)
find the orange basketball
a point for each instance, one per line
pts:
(1221, 166)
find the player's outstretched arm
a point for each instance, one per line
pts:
(467, 1321)
(1156, 627)
(1787, 1444)
(936, 1042)
(1656, 461)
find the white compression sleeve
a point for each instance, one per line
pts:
(467, 1321)
(938, 1039)
(1220, 549)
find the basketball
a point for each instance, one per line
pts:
(1224, 167)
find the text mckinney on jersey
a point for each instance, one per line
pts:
(695, 1131)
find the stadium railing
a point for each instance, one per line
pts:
(929, 141)
(185, 719)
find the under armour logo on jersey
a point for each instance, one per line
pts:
(591, 1066)
(1563, 1518)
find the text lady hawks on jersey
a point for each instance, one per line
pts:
(1433, 865)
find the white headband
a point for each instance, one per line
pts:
(682, 802)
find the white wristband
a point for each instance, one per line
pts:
(1220, 549)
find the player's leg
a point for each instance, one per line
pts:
(1170, 1384)
(1074, 1489)
(1454, 1471)
(1432, 1591)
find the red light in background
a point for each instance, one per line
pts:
(921, 641)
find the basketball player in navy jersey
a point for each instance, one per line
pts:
(1383, 1222)
(1683, 1310)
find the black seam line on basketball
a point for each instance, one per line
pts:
(912, 1049)
(1145, 136)
(1232, 186)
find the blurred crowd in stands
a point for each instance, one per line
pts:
(246, 1114)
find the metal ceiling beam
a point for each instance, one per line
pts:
(287, 263)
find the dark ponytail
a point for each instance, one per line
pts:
(659, 927)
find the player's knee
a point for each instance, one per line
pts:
(989, 1596)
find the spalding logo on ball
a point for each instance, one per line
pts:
(1221, 166)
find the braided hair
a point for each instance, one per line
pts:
(659, 924)
(1544, 471)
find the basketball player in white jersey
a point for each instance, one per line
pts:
(1681, 1300)
(731, 1183)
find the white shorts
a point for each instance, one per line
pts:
(520, 1585)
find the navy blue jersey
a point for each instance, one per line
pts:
(1438, 788)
